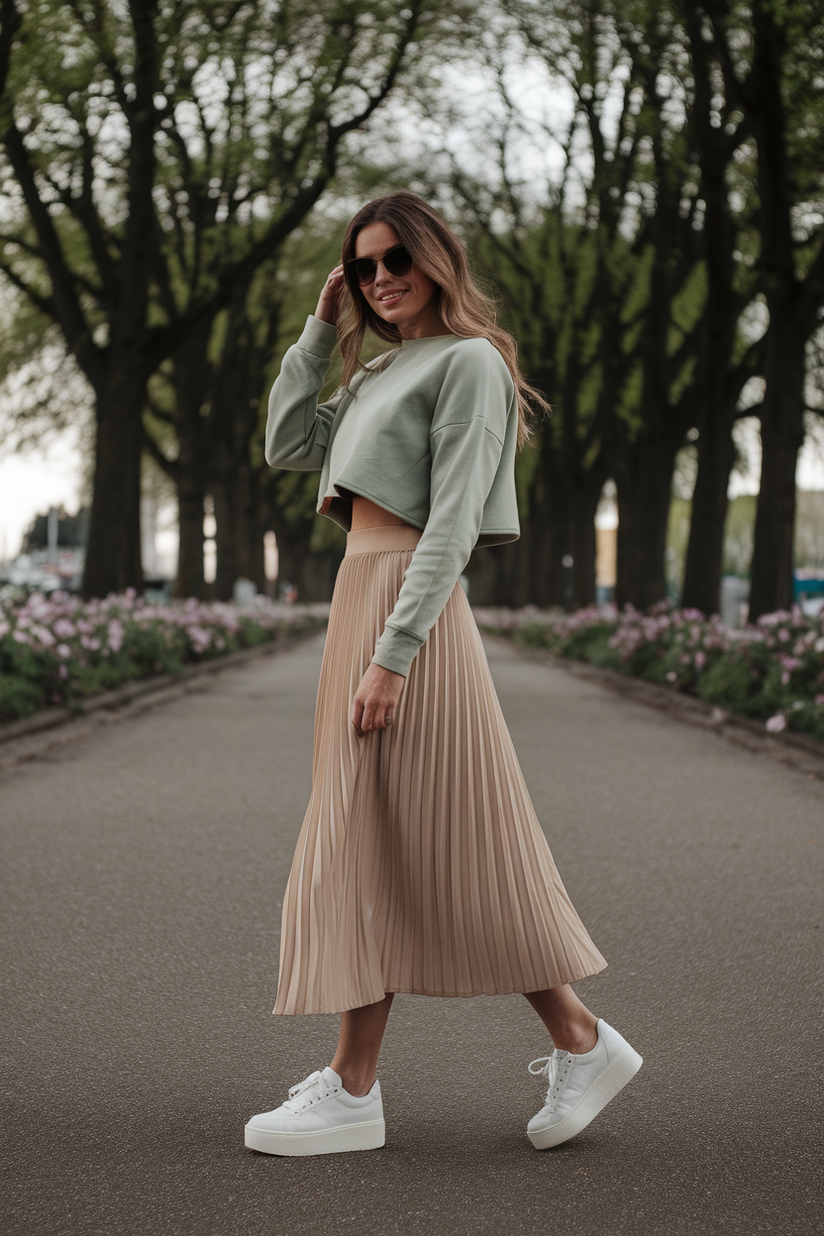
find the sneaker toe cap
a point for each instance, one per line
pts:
(266, 1120)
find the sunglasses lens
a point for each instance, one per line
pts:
(398, 261)
(364, 270)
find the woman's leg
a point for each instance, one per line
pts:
(361, 1035)
(567, 1019)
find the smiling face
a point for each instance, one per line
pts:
(407, 301)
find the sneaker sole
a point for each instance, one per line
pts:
(611, 1082)
(368, 1135)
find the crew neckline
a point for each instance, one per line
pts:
(405, 343)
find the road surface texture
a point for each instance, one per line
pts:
(142, 875)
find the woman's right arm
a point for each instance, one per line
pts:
(297, 428)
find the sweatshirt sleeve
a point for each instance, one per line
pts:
(466, 442)
(297, 427)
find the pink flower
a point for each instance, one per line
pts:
(116, 635)
(63, 650)
(776, 724)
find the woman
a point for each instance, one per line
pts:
(421, 866)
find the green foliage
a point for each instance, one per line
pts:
(59, 651)
(737, 683)
(773, 671)
(19, 696)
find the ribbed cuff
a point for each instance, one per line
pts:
(318, 338)
(396, 650)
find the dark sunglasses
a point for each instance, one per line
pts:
(397, 261)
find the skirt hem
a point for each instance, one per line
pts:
(519, 990)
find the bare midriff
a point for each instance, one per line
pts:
(366, 514)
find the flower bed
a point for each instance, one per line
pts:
(773, 671)
(60, 650)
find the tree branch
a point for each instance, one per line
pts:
(171, 467)
(67, 307)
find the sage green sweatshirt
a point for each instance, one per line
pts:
(429, 434)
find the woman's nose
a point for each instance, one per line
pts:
(382, 275)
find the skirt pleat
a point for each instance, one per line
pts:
(420, 866)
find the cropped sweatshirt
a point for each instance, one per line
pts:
(429, 434)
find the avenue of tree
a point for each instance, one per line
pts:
(176, 177)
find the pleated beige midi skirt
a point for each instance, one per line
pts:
(420, 866)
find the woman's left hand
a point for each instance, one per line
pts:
(376, 699)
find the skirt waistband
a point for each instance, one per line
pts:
(379, 540)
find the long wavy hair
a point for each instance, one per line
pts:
(463, 308)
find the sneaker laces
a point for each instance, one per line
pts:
(295, 1103)
(556, 1069)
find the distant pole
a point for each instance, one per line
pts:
(52, 534)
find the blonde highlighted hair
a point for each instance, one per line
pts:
(463, 308)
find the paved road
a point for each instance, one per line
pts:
(142, 871)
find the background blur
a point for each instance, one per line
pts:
(640, 183)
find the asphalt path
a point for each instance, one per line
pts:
(142, 876)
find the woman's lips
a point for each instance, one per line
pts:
(391, 298)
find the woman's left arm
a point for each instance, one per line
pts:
(467, 438)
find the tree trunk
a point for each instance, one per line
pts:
(782, 436)
(190, 581)
(191, 381)
(717, 384)
(238, 531)
(705, 548)
(793, 307)
(584, 543)
(256, 528)
(313, 574)
(113, 549)
(644, 484)
(224, 493)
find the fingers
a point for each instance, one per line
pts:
(330, 297)
(376, 700)
(370, 714)
(334, 279)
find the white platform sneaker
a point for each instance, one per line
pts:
(320, 1117)
(580, 1086)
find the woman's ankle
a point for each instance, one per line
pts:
(577, 1039)
(572, 1026)
(355, 1081)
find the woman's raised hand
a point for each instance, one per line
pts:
(330, 298)
(376, 699)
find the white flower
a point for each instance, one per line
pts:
(777, 723)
